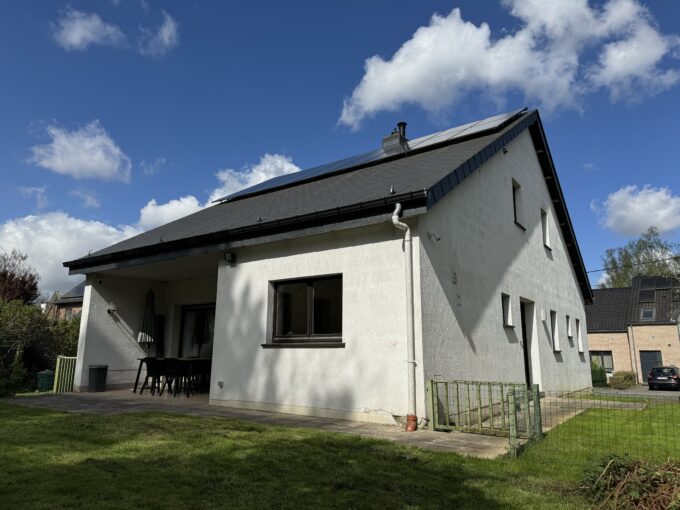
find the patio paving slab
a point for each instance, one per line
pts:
(124, 401)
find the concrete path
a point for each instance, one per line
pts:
(115, 402)
(638, 391)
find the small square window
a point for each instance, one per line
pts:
(546, 228)
(507, 310)
(554, 331)
(647, 313)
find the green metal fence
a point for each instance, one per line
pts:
(502, 409)
(64, 374)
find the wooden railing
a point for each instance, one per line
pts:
(502, 409)
(64, 374)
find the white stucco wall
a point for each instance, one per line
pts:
(367, 379)
(111, 339)
(481, 253)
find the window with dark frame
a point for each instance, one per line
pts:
(308, 310)
(647, 312)
(603, 359)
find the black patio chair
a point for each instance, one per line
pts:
(155, 370)
(179, 376)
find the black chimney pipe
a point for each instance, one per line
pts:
(401, 126)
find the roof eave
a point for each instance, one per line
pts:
(225, 239)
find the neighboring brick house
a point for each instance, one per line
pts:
(635, 328)
(67, 305)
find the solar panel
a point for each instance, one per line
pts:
(472, 128)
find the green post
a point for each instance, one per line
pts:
(512, 416)
(538, 420)
(479, 406)
(430, 403)
(527, 413)
(490, 403)
(468, 406)
(57, 374)
(502, 407)
(447, 418)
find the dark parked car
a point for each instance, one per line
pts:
(664, 377)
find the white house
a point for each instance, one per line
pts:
(320, 307)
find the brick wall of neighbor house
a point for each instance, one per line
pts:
(617, 343)
(659, 337)
(471, 252)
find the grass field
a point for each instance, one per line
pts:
(59, 460)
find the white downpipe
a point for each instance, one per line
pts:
(411, 346)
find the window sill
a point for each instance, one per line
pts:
(304, 345)
(547, 247)
(520, 225)
(509, 326)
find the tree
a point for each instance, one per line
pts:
(18, 280)
(649, 255)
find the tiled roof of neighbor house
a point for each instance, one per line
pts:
(609, 310)
(615, 309)
(72, 295)
(416, 178)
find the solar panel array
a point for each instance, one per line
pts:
(464, 131)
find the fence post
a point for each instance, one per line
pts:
(430, 403)
(57, 371)
(512, 416)
(527, 413)
(538, 419)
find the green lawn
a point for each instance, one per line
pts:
(52, 460)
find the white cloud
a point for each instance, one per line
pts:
(270, 166)
(546, 59)
(154, 214)
(85, 153)
(39, 193)
(76, 30)
(159, 42)
(152, 168)
(632, 64)
(88, 197)
(631, 211)
(52, 238)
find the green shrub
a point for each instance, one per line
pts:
(621, 482)
(598, 375)
(623, 380)
(30, 343)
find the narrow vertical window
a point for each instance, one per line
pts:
(545, 227)
(507, 310)
(516, 203)
(579, 337)
(570, 333)
(554, 331)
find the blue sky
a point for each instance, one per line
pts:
(118, 116)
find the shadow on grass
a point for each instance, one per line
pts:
(60, 460)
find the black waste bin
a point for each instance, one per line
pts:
(97, 378)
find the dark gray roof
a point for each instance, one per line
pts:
(73, 295)
(615, 309)
(406, 175)
(417, 179)
(609, 310)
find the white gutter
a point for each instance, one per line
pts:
(412, 422)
